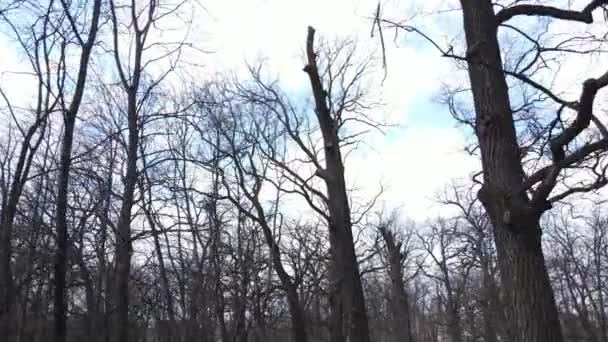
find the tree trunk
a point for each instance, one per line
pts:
(454, 325)
(7, 288)
(10, 200)
(400, 304)
(8, 326)
(59, 304)
(298, 323)
(348, 303)
(531, 309)
(131, 87)
(601, 306)
(216, 262)
(164, 279)
(102, 281)
(489, 305)
(69, 121)
(92, 316)
(124, 247)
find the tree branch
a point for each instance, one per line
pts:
(584, 16)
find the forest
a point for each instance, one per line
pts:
(149, 195)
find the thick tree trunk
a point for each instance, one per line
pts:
(348, 304)
(298, 321)
(124, 248)
(400, 304)
(402, 325)
(531, 308)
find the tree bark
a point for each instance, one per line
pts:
(489, 306)
(531, 310)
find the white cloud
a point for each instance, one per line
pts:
(15, 75)
(413, 168)
(413, 163)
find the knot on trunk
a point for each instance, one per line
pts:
(483, 123)
(507, 209)
(506, 217)
(321, 173)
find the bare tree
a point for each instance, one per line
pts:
(243, 170)
(521, 180)
(450, 268)
(143, 17)
(349, 317)
(18, 152)
(398, 251)
(505, 194)
(477, 232)
(222, 211)
(70, 113)
(573, 264)
(318, 175)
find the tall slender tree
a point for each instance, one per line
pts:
(70, 113)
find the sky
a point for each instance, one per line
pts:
(413, 161)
